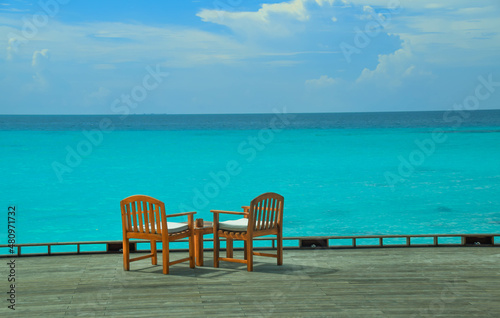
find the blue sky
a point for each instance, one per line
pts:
(242, 56)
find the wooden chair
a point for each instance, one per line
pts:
(143, 217)
(263, 217)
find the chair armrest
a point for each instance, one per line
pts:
(229, 212)
(180, 214)
(246, 208)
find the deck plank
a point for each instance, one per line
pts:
(389, 282)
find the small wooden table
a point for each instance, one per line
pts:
(199, 231)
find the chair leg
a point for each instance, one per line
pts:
(279, 244)
(229, 247)
(191, 251)
(249, 255)
(165, 256)
(126, 255)
(154, 259)
(245, 247)
(216, 249)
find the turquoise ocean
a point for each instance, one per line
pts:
(340, 174)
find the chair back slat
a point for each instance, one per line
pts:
(158, 219)
(152, 219)
(258, 215)
(267, 211)
(279, 207)
(270, 215)
(134, 216)
(143, 214)
(264, 211)
(127, 217)
(140, 216)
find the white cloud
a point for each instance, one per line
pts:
(435, 5)
(40, 59)
(268, 20)
(322, 2)
(40, 62)
(463, 35)
(461, 30)
(294, 9)
(392, 69)
(322, 81)
(11, 48)
(447, 27)
(368, 9)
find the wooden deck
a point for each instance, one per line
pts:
(383, 282)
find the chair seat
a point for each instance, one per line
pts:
(240, 225)
(174, 227)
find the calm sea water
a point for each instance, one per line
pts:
(341, 174)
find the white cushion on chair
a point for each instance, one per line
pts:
(174, 227)
(240, 225)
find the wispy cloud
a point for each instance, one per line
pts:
(13, 10)
(110, 43)
(322, 81)
(299, 53)
(9, 8)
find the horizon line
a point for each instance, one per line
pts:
(211, 114)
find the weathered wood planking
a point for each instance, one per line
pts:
(392, 282)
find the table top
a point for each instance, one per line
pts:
(206, 225)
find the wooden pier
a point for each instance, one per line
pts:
(372, 282)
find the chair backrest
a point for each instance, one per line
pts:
(267, 211)
(143, 214)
